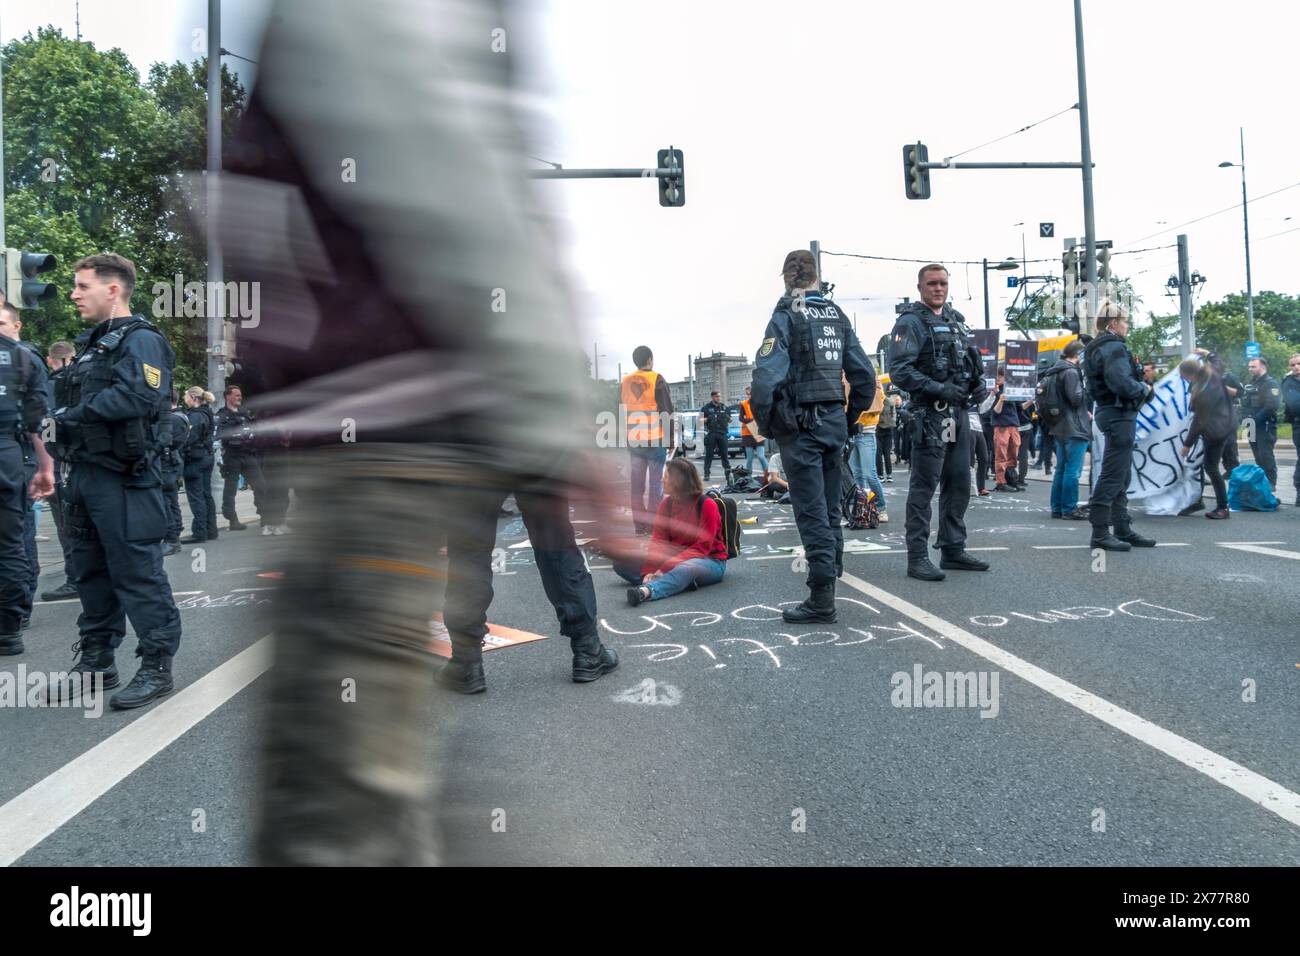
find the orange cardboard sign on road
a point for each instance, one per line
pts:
(497, 637)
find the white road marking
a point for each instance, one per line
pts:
(1059, 547)
(236, 590)
(754, 531)
(1257, 549)
(1253, 786)
(41, 809)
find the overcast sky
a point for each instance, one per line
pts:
(793, 118)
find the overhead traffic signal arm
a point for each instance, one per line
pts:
(22, 288)
(917, 166)
(670, 170)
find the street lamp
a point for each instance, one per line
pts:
(1245, 220)
(1006, 265)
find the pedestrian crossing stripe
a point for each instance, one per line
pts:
(497, 637)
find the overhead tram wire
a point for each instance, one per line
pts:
(1218, 212)
(978, 262)
(1012, 133)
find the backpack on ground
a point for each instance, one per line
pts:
(730, 520)
(862, 509)
(1249, 490)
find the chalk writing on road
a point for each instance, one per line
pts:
(245, 599)
(650, 692)
(1137, 608)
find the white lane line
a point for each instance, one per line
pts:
(237, 590)
(1172, 544)
(41, 809)
(1257, 549)
(1228, 543)
(1253, 786)
(1059, 547)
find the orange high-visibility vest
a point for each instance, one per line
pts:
(746, 412)
(640, 408)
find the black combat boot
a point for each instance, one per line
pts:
(962, 561)
(591, 658)
(93, 659)
(151, 681)
(817, 608)
(1102, 538)
(464, 676)
(1126, 534)
(11, 644)
(923, 569)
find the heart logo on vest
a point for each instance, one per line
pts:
(638, 388)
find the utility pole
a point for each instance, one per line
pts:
(1185, 297)
(3, 245)
(1085, 141)
(216, 321)
(815, 248)
(1245, 220)
(690, 376)
(595, 362)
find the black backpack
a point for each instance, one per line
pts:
(730, 519)
(1049, 398)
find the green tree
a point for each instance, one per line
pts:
(1281, 312)
(94, 161)
(1146, 340)
(1222, 330)
(1045, 309)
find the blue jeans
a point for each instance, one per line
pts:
(1069, 466)
(752, 452)
(647, 462)
(698, 571)
(862, 463)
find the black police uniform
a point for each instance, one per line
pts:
(798, 398)
(1116, 383)
(198, 459)
(933, 359)
(68, 589)
(1260, 400)
(111, 400)
(716, 420)
(174, 430)
(239, 456)
(29, 472)
(1231, 457)
(23, 404)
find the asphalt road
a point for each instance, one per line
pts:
(1144, 712)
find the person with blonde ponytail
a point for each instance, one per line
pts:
(197, 461)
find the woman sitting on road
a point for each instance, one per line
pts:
(1214, 422)
(687, 547)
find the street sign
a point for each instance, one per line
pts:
(1252, 350)
(1013, 281)
(1046, 230)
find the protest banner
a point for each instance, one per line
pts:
(1022, 369)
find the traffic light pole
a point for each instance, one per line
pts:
(651, 172)
(1185, 297)
(2, 153)
(216, 331)
(1085, 141)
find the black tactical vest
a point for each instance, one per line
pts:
(943, 349)
(1094, 366)
(200, 418)
(119, 445)
(13, 378)
(819, 334)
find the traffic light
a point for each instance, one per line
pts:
(22, 288)
(916, 178)
(1103, 264)
(672, 189)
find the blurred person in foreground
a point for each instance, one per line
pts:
(407, 297)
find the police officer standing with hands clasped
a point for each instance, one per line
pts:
(110, 401)
(933, 359)
(1117, 384)
(798, 399)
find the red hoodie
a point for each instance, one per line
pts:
(684, 530)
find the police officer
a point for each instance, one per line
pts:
(173, 434)
(110, 402)
(58, 360)
(1260, 400)
(239, 455)
(716, 420)
(197, 469)
(798, 399)
(1116, 383)
(933, 359)
(23, 405)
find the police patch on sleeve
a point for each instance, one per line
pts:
(152, 375)
(768, 344)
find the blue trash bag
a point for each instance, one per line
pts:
(1248, 490)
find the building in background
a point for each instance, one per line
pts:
(726, 374)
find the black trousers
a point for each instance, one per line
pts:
(250, 466)
(277, 480)
(15, 602)
(980, 456)
(1210, 468)
(115, 529)
(812, 459)
(940, 458)
(884, 450)
(172, 497)
(715, 444)
(471, 538)
(1262, 449)
(198, 492)
(1108, 506)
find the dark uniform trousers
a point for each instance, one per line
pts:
(812, 459)
(715, 443)
(114, 531)
(471, 537)
(172, 497)
(232, 466)
(945, 465)
(1262, 449)
(1108, 505)
(198, 492)
(15, 601)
